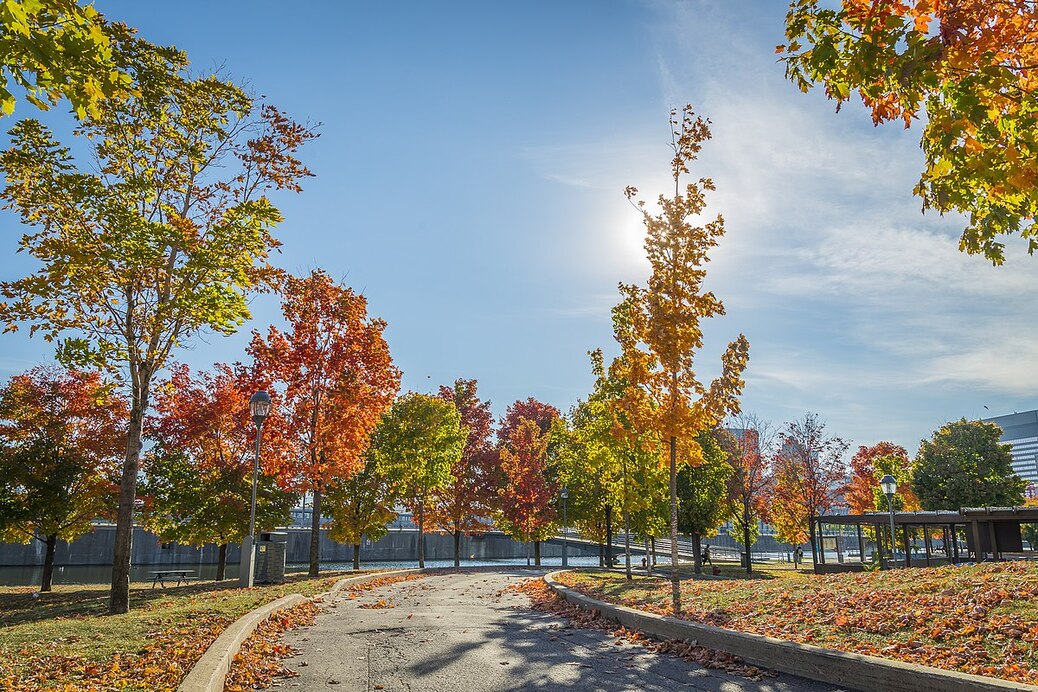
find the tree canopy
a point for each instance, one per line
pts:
(969, 64)
(59, 48)
(964, 464)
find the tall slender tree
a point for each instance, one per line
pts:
(466, 504)
(750, 443)
(809, 474)
(164, 232)
(60, 438)
(336, 378)
(666, 316)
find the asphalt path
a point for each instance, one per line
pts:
(462, 632)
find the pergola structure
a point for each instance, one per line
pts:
(992, 533)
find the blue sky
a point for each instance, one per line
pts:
(469, 182)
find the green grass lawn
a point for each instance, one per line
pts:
(66, 638)
(980, 619)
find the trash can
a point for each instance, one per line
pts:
(270, 557)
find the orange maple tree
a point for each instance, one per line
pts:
(336, 378)
(61, 436)
(199, 473)
(860, 492)
(467, 502)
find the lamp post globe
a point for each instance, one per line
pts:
(259, 408)
(889, 486)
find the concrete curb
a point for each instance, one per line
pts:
(210, 671)
(854, 671)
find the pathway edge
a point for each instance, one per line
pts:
(210, 671)
(856, 671)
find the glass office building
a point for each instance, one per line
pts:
(1020, 430)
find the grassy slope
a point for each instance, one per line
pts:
(65, 637)
(980, 619)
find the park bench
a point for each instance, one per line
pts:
(180, 575)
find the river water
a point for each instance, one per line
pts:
(102, 574)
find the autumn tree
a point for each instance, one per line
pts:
(163, 232)
(195, 505)
(809, 473)
(198, 484)
(417, 443)
(524, 480)
(859, 494)
(336, 377)
(704, 499)
(666, 317)
(527, 498)
(468, 501)
(60, 438)
(58, 48)
(750, 445)
(965, 464)
(969, 64)
(362, 505)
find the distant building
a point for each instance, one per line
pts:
(1020, 430)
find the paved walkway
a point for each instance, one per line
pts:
(459, 632)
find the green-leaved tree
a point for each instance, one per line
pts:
(161, 232)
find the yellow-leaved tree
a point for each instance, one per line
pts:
(665, 317)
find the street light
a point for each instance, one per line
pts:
(565, 538)
(259, 407)
(889, 485)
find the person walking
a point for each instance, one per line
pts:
(706, 555)
(798, 557)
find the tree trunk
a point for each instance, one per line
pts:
(48, 562)
(537, 553)
(221, 562)
(421, 535)
(457, 548)
(814, 546)
(356, 556)
(609, 535)
(627, 545)
(119, 600)
(675, 578)
(697, 552)
(315, 533)
(648, 559)
(746, 536)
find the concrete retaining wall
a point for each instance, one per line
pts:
(95, 548)
(853, 671)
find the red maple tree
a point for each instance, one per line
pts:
(527, 495)
(62, 433)
(336, 378)
(464, 505)
(860, 492)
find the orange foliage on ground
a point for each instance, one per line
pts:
(980, 619)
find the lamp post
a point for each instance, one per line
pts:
(259, 406)
(889, 485)
(565, 537)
